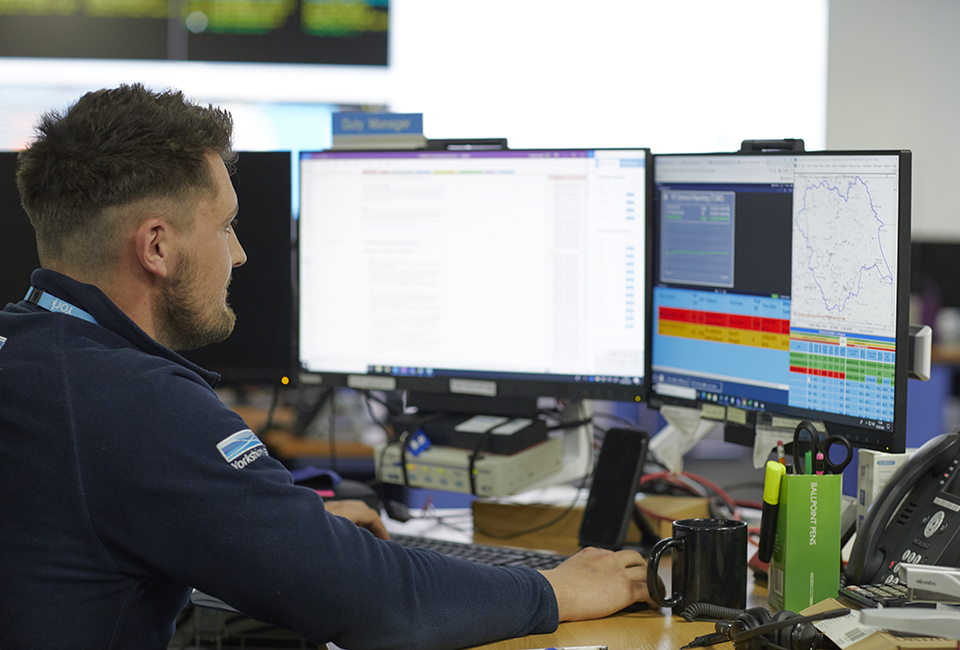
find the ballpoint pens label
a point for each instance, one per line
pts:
(813, 514)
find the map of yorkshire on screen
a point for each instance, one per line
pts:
(776, 283)
(841, 274)
(844, 295)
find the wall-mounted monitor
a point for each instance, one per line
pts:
(265, 31)
(781, 289)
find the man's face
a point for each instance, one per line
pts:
(192, 310)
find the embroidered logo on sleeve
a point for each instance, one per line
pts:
(241, 448)
(3, 339)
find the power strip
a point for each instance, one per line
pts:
(448, 468)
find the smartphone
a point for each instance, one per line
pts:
(613, 492)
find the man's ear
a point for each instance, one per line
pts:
(155, 247)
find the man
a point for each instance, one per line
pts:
(125, 481)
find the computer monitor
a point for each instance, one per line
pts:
(491, 274)
(263, 346)
(781, 289)
(18, 245)
(256, 32)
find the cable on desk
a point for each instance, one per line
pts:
(391, 408)
(403, 438)
(570, 425)
(707, 639)
(475, 456)
(552, 522)
(274, 401)
(369, 397)
(746, 503)
(617, 418)
(708, 611)
(307, 414)
(444, 520)
(333, 429)
(557, 415)
(268, 424)
(692, 484)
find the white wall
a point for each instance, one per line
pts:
(684, 75)
(894, 82)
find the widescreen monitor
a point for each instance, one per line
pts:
(781, 289)
(482, 273)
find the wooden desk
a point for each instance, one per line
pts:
(945, 354)
(655, 629)
(650, 630)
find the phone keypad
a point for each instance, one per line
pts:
(877, 595)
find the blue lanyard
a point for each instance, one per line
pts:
(51, 303)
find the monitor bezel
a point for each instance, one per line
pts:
(503, 385)
(863, 437)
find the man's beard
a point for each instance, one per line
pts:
(186, 321)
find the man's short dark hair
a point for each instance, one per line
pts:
(114, 148)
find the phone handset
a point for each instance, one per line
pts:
(875, 538)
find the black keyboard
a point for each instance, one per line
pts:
(483, 554)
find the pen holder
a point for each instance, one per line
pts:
(805, 567)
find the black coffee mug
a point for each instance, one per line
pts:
(709, 564)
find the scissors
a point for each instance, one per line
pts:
(806, 438)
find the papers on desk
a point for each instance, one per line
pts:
(845, 630)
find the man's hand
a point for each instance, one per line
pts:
(359, 513)
(596, 583)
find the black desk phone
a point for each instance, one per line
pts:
(915, 518)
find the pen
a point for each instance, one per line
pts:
(771, 506)
(819, 463)
(781, 456)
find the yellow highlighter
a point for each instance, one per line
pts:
(771, 505)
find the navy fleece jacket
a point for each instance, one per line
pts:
(121, 488)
